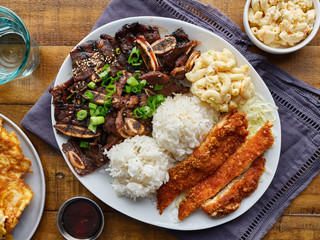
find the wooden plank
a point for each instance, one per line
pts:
(295, 228)
(58, 23)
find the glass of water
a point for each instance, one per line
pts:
(19, 53)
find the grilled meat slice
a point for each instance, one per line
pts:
(154, 78)
(220, 143)
(112, 139)
(229, 199)
(81, 160)
(60, 93)
(169, 86)
(232, 168)
(126, 36)
(67, 114)
(75, 131)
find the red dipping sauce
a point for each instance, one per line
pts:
(81, 218)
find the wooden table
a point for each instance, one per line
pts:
(58, 26)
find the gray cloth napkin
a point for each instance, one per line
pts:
(299, 109)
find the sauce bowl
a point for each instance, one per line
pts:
(80, 218)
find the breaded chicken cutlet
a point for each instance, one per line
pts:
(229, 199)
(236, 164)
(15, 194)
(220, 143)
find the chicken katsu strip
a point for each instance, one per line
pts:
(220, 143)
(232, 168)
(229, 199)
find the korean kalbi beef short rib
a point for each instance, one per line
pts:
(165, 62)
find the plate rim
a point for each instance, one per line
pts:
(129, 20)
(41, 173)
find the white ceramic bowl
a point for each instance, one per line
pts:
(274, 50)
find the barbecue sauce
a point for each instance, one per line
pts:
(81, 219)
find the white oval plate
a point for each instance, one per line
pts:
(144, 209)
(32, 214)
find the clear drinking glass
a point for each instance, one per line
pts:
(19, 53)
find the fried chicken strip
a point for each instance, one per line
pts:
(229, 199)
(232, 168)
(220, 143)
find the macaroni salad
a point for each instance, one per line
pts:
(216, 79)
(281, 23)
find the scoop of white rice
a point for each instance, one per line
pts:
(181, 123)
(138, 166)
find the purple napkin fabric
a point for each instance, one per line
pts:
(299, 109)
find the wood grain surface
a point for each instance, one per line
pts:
(58, 26)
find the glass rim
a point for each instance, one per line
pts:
(26, 36)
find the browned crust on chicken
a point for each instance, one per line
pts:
(232, 168)
(220, 143)
(230, 199)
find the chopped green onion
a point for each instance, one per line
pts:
(137, 113)
(111, 88)
(92, 85)
(159, 99)
(135, 89)
(111, 80)
(143, 82)
(136, 74)
(92, 112)
(92, 127)
(89, 95)
(158, 87)
(132, 82)
(134, 57)
(104, 111)
(84, 144)
(118, 51)
(146, 112)
(82, 114)
(93, 106)
(104, 71)
(127, 89)
(97, 120)
(150, 109)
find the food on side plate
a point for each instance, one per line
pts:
(220, 143)
(218, 81)
(229, 199)
(138, 166)
(181, 123)
(233, 167)
(15, 194)
(281, 23)
(117, 84)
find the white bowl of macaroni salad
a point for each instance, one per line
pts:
(281, 26)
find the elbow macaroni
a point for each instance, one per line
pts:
(281, 23)
(216, 79)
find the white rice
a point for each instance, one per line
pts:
(181, 123)
(138, 166)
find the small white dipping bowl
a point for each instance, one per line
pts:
(283, 50)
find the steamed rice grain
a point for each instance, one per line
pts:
(181, 123)
(138, 166)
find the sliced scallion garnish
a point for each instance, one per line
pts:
(82, 114)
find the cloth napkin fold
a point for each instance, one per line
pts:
(299, 110)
